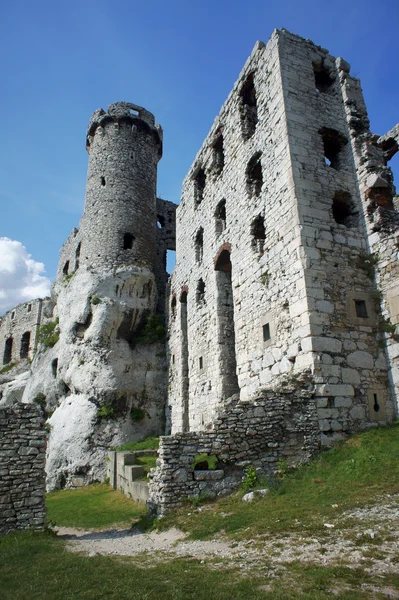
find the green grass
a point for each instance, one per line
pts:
(149, 443)
(350, 475)
(7, 368)
(147, 461)
(36, 566)
(92, 507)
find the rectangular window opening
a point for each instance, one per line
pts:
(201, 363)
(361, 309)
(266, 332)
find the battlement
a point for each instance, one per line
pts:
(119, 112)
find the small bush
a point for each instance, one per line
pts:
(153, 331)
(49, 334)
(95, 300)
(106, 411)
(249, 479)
(40, 399)
(137, 414)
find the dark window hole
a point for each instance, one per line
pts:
(361, 309)
(128, 240)
(266, 332)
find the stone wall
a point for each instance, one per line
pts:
(275, 425)
(22, 461)
(18, 331)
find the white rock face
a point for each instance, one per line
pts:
(101, 388)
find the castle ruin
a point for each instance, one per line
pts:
(282, 310)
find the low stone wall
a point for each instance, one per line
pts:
(259, 433)
(123, 472)
(22, 462)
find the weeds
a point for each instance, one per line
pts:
(49, 334)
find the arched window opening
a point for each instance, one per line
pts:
(199, 245)
(220, 217)
(323, 78)
(333, 143)
(160, 221)
(225, 321)
(248, 107)
(77, 256)
(25, 343)
(7, 351)
(200, 295)
(199, 187)
(254, 175)
(258, 233)
(218, 154)
(173, 306)
(128, 240)
(344, 210)
(65, 270)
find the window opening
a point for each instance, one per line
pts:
(77, 256)
(225, 321)
(344, 210)
(25, 342)
(29, 307)
(333, 143)
(199, 245)
(134, 112)
(103, 181)
(200, 296)
(376, 406)
(170, 260)
(199, 187)
(254, 175)
(218, 155)
(258, 233)
(266, 332)
(248, 108)
(13, 314)
(173, 306)
(173, 359)
(201, 363)
(54, 367)
(361, 309)
(65, 270)
(185, 380)
(323, 78)
(128, 240)
(7, 351)
(220, 217)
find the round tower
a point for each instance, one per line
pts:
(118, 226)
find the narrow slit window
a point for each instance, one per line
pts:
(77, 255)
(254, 175)
(258, 233)
(25, 343)
(201, 363)
(200, 296)
(54, 367)
(128, 240)
(173, 307)
(199, 245)
(199, 187)
(29, 308)
(7, 351)
(218, 155)
(266, 332)
(248, 107)
(102, 181)
(376, 405)
(220, 217)
(361, 309)
(65, 270)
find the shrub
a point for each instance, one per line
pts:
(137, 414)
(106, 411)
(153, 330)
(249, 479)
(49, 334)
(7, 367)
(95, 300)
(40, 399)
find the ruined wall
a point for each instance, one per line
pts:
(258, 433)
(344, 347)
(18, 331)
(273, 202)
(165, 240)
(238, 199)
(22, 461)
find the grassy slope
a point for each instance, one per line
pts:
(92, 507)
(352, 474)
(36, 566)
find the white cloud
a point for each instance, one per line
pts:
(21, 277)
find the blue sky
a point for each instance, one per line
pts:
(62, 60)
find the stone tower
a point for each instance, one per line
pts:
(119, 220)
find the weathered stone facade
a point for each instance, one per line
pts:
(287, 269)
(22, 460)
(18, 331)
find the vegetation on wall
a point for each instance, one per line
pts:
(49, 334)
(153, 331)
